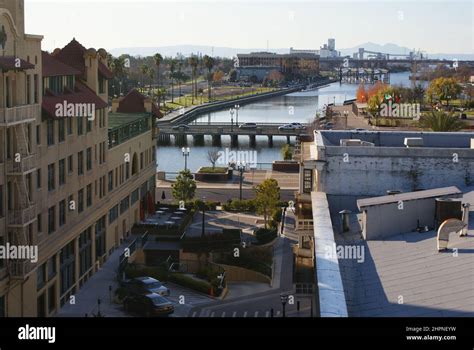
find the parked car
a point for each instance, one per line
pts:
(248, 126)
(148, 305)
(180, 127)
(146, 285)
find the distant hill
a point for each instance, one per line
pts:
(220, 51)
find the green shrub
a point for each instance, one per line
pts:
(265, 235)
(247, 205)
(216, 170)
(189, 282)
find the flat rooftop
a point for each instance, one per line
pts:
(405, 275)
(396, 138)
(119, 119)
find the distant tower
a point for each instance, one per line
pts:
(332, 44)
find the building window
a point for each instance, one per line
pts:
(100, 237)
(80, 163)
(69, 126)
(36, 86)
(111, 180)
(39, 225)
(134, 196)
(38, 134)
(88, 125)
(67, 261)
(38, 179)
(52, 267)
(113, 214)
(89, 195)
(51, 219)
(70, 165)
(141, 161)
(2, 306)
(124, 205)
(51, 177)
(62, 213)
(40, 277)
(2, 209)
(51, 298)
(307, 180)
(50, 131)
(61, 130)
(80, 200)
(62, 172)
(80, 125)
(85, 251)
(89, 159)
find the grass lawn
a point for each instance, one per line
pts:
(211, 170)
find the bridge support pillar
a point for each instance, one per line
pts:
(288, 139)
(181, 139)
(234, 141)
(164, 140)
(253, 141)
(216, 140)
(198, 140)
(270, 141)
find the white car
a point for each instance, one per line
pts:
(292, 126)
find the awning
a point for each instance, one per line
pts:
(8, 63)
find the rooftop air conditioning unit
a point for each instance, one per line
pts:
(350, 142)
(413, 142)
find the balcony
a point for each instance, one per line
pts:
(19, 269)
(19, 114)
(22, 217)
(26, 165)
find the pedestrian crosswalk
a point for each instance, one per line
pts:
(234, 314)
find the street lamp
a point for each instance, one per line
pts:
(241, 169)
(120, 91)
(237, 115)
(232, 111)
(203, 216)
(186, 151)
(284, 300)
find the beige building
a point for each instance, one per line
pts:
(74, 178)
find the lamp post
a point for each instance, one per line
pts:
(237, 115)
(231, 111)
(203, 216)
(241, 169)
(120, 91)
(186, 151)
(284, 300)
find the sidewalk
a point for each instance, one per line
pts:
(97, 287)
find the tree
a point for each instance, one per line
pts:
(441, 121)
(361, 95)
(267, 198)
(287, 152)
(194, 62)
(144, 70)
(444, 89)
(213, 156)
(158, 60)
(217, 76)
(172, 77)
(151, 75)
(209, 64)
(185, 187)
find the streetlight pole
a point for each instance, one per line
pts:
(284, 299)
(241, 169)
(203, 217)
(232, 111)
(186, 151)
(237, 115)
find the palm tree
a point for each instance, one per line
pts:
(158, 60)
(441, 121)
(172, 76)
(193, 62)
(144, 70)
(151, 75)
(209, 64)
(179, 77)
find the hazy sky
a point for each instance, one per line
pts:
(433, 26)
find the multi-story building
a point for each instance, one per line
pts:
(74, 178)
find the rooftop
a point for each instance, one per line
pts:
(118, 119)
(405, 275)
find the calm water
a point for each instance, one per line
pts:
(295, 107)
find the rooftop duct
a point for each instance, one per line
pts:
(413, 142)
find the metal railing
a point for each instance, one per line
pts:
(26, 164)
(19, 268)
(22, 216)
(19, 113)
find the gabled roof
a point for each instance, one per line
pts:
(133, 102)
(73, 55)
(81, 94)
(105, 71)
(53, 67)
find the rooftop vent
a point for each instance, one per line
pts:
(472, 143)
(413, 142)
(354, 142)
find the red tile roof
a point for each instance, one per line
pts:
(133, 102)
(10, 63)
(81, 94)
(105, 71)
(53, 67)
(73, 55)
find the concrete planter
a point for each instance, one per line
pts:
(213, 177)
(289, 166)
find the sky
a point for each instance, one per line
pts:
(440, 26)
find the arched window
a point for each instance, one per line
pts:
(134, 164)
